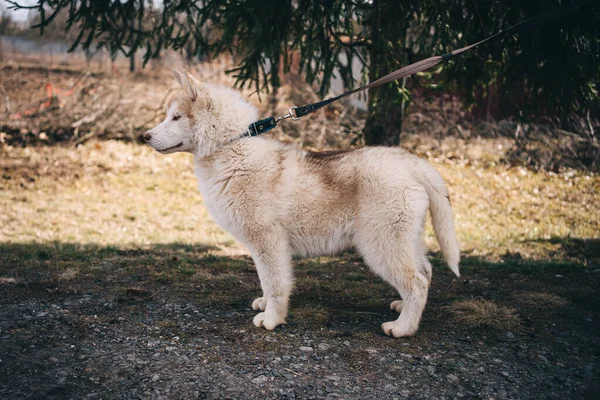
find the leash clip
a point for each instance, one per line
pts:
(292, 114)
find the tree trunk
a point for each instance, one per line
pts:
(132, 62)
(384, 118)
(132, 46)
(385, 104)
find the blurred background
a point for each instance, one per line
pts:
(536, 93)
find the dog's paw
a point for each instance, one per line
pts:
(267, 321)
(259, 304)
(396, 305)
(396, 329)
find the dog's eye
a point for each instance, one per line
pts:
(176, 117)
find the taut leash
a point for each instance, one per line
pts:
(265, 125)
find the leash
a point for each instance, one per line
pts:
(295, 113)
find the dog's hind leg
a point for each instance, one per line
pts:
(406, 276)
(273, 264)
(397, 305)
(259, 304)
(393, 248)
(425, 268)
(414, 290)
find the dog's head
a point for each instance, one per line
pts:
(200, 118)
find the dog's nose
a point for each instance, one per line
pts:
(147, 136)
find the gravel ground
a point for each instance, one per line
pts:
(90, 338)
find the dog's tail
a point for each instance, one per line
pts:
(442, 216)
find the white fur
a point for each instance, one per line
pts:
(280, 201)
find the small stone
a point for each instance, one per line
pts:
(155, 377)
(510, 335)
(53, 360)
(452, 378)
(306, 348)
(260, 380)
(323, 347)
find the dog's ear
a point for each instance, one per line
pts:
(200, 93)
(188, 84)
(177, 75)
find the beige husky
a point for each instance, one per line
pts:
(280, 201)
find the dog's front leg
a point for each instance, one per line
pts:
(273, 263)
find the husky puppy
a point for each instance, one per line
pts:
(280, 201)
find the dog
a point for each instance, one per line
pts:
(280, 201)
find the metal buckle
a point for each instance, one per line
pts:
(292, 114)
(249, 131)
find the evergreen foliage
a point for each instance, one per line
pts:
(551, 70)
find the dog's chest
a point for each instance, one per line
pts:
(220, 202)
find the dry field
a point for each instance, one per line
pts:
(115, 283)
(118, 193)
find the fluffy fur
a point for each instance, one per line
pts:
(280, 201)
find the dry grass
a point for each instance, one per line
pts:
(502, 211)
(543, 300)
(115, 193)
(485, 313)
(108, 193)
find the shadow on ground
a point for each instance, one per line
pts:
(586, 251)
(174, 321)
